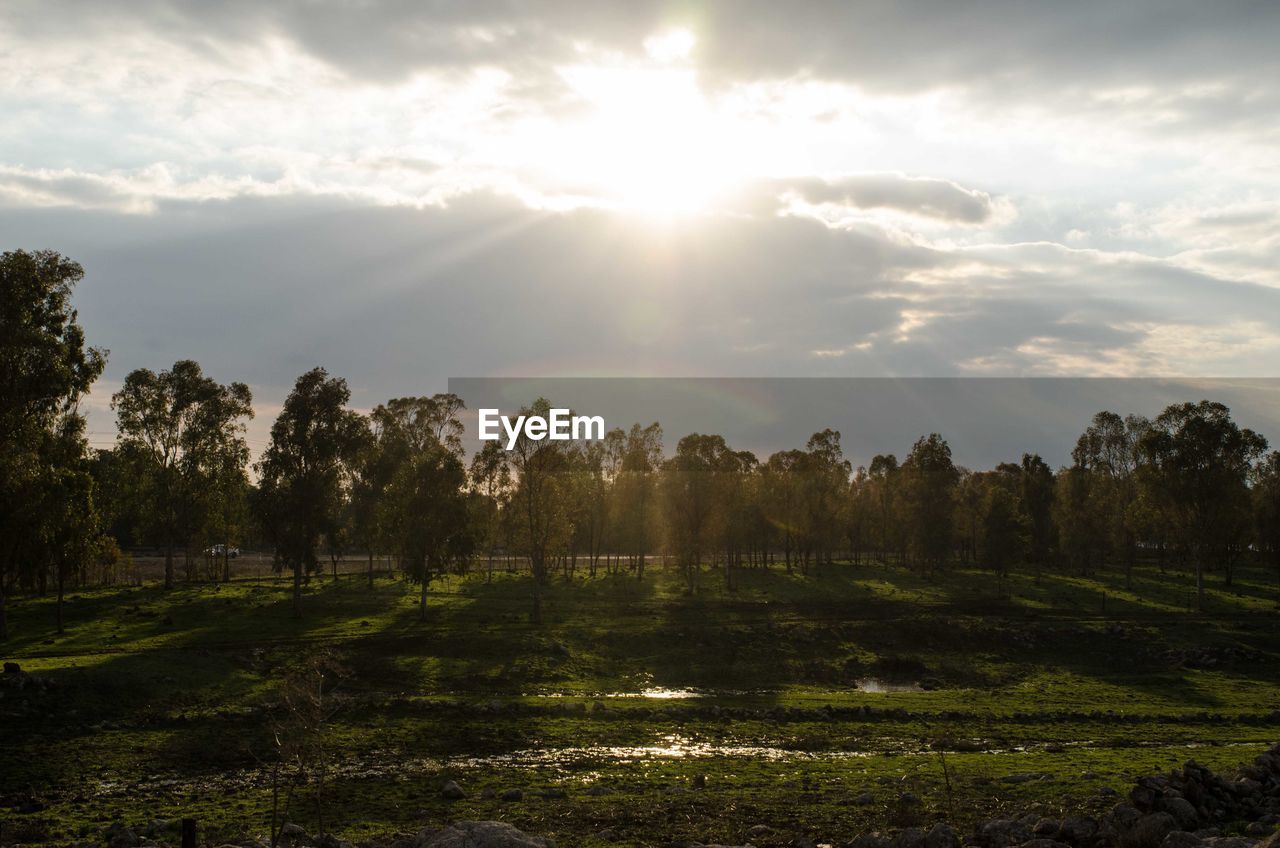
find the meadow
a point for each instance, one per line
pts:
(795, 707)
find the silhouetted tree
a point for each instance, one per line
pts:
(306, 471)
(1198, 464)
(45, 368)
(183, 433)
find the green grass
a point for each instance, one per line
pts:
(164, 701)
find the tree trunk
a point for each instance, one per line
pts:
(168, 564)
(1199, 586)
(4, 615)
(536, 616)
(297, 589)
(61, 581)
(422, 600)
(371, 568)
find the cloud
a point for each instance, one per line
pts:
(919, 196)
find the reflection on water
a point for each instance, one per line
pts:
(886, 687)
(661, 694)
(670, 747)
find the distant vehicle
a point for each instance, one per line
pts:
(222, 551)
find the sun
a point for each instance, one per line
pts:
(647, 139)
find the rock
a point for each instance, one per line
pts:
(1229, 842)
(120, 836)
(1258, 829)
(479, 834)
(864, 799)
(759, 830)
(553, 792)
(12, 668)
(292, 833)
(1148, 831)
(607, 835)
(511, 795)
(1043, 843)
(908, 798)
(488, 793)
(911, 837)
(328, 840)
(1046, 828)
(1078, 830)
(452, 791)
(1002, 833)
(870, 840)
(596, 790)
(1180, 839)
(941, 835)
(1182, 810)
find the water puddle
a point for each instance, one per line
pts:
(887, 687)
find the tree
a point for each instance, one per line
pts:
(695, 483)
(635, 491)
(426, 515)
(306, 470)
(1266, 509)
(490, 476)
(541, 500)
(45, 368)
(184, 434)
(1107, 456)
(1198, 464)
(928, 483)
(1006, 534)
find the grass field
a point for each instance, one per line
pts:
(854, 698)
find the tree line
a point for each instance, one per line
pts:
(1189, 487)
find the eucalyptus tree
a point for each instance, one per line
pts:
(541, 500)
(307, 470)
(1266, 509)
(1197, 464)
(490, 479)
(883, 479)
(637, 460)
(45, 369)
(929, 479)
(1107, 457)
(179, 430)
(698, 483)
(426, 516)
(780, 499)
(423, 512)
(824, 480)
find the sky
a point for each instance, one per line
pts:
(404, 191)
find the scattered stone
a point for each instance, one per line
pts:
(1180, 839)
(12, 668)
(553, 792)
(511, 795)
(1003, 833)
(452, 791)
(1149, 831)
(941, 835)
(1045, 828)
(479, 834)
(597, 789)
(864, 799)
(1078, 830)
(911, 837)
